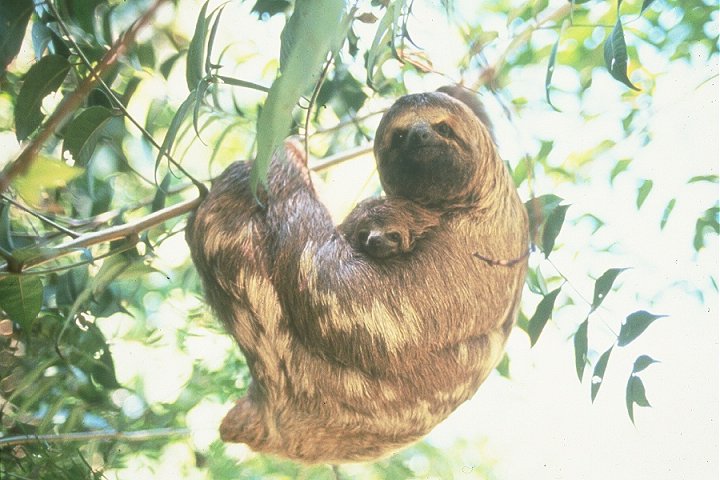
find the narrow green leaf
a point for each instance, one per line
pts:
(6, 240)
(642, 362)
(635, 395)
(14, 17)
(313, 30)
(43, 78)
(175, 125)
(709, 220)
(551, 66)
(603, 285)
(619, 167)
(643, 192)
(599, 374)
(542, 314)
(242, 83)
(538, 209)
(615, 52)
(199, 98)
(211, 40)
(21, 297)
(161, 194)
(383, 42)
(196, 51)
(84, 132)
(503, 367)
(704, 178)
(634, 325)
(666, 213)
(552, 228)
(536, 282)
(581, 347)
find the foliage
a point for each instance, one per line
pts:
(92, 323)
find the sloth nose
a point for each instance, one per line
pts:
(419, 134)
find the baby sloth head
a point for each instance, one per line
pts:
(431, 148)
(384, 227)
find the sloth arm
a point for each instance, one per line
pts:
(333, 300)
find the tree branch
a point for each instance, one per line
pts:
(136, 436)
(75, 99)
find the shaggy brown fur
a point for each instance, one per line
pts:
(353, 358)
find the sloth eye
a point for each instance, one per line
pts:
(394, 237)
(362, 236)
(444, 129)
(398, 137)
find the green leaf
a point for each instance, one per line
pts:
(313, 30)
(14, 17)
(211, 39)
(383, 45)
(44, 173)
(666, 213)
(196, 51)
(616, 57)
(704, 178)
(552, 228)
(709, 220)
(635, 395)
(21, 297)
(175, 125)
(84, 132)
(503, 367)
(619, 167)
(603, 285)
(599, 374)
(581, 347)
(43, 78)
(642, 362)
(643, 192)
(542, 314)
(161, 194)
(535, 281)
(538, 209)
(634, 325)
(551, 66)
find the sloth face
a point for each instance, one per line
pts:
(428, 149)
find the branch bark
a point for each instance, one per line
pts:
(103, 435)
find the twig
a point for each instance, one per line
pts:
(136, 436)
(40, 216)
(74, 100)
(342, 157)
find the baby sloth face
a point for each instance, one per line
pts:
(377, 240)
(386, 227)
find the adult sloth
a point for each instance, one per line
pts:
(353, 358)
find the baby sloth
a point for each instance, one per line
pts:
(383, 228)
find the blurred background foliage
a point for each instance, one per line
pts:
(110, 338)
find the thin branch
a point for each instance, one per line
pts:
(128, 230)
(40, 216)
(342, 157)
(75, 99)
(102, 435)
